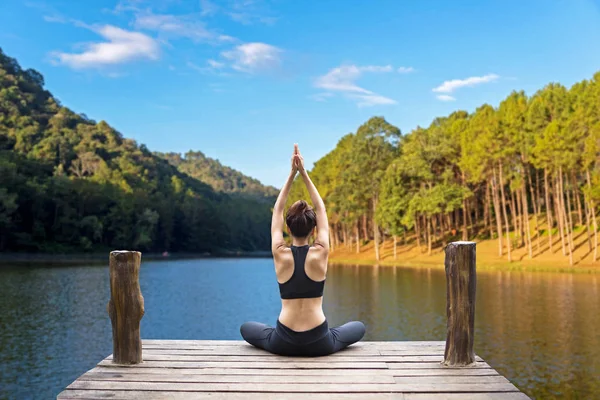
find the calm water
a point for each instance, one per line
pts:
(542, 331)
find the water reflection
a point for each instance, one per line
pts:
(540, 330)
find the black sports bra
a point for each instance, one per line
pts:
(300, 286)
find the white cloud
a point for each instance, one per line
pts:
(253, 57)
(248, 12)
(55, 18)
(121, 46)
(445, 97)
(215, 64)
(405, 70)
(321, 96)
(368, 100)
(452, 85)
(173, 25)
(208, 7)
(342, 79)
(213, 68)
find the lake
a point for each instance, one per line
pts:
(540, 330)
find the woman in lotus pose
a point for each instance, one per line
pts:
(302, 328)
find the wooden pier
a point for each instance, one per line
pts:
(226, 369)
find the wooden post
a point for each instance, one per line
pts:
(126, 306)
(460, 303)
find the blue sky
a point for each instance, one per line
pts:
(242, 80)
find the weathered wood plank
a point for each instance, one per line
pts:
(461, 396)
(433, 365)
(266, 357)
(293, 387)
(306, 372)
(251, 351)
(252, 371)
(155, 395)
(451, 379)
(236, 364)
(444, 372)
(158, 395)
(263, 378)
(386, 344)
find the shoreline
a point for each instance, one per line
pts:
(65, 259)
(410, 256)
(503, 267)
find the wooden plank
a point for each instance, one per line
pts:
(444, 372)
(255, 365)
(250, 351)
(461, 396)
(263, 378)
(292, 387)
(431, 365)
(252, 371)
(270, 358)
(387, 344)
(452, 379)
(306, 372)
(158, 395)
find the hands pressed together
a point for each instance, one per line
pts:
(297, 160)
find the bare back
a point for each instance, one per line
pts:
(301, 314)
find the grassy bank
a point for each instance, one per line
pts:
(408, 255)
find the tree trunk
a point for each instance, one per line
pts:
(375, 229)
(357, 237)
(508, 243)
(331, 242)
(126, 306)
(548, 211)
(395, 254)
(569, 213)
(475, 228)
(487, 211)
(577, 197)
(566, 216)
(365, 231)
(588, 227)
(512, 206)
(519, 199)
(559, 217)
(428, 235)
(465, 232)
(535, 211)
(418, 232)
(497, 212)
(593, 212)
(526, 213)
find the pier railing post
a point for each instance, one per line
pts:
(460, 303)
(126, 306)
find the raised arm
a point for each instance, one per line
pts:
(277, 241)
(322, 239)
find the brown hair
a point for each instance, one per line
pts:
(301, 219)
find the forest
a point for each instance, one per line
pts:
(525, 174)
(70, 184)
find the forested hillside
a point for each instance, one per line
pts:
(68, 183)
(507, 172)
(220, 177)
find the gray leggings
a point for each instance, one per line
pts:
(319, 341)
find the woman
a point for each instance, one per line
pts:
(302, 328)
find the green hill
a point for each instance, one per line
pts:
(68, 183)
(220, 177)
